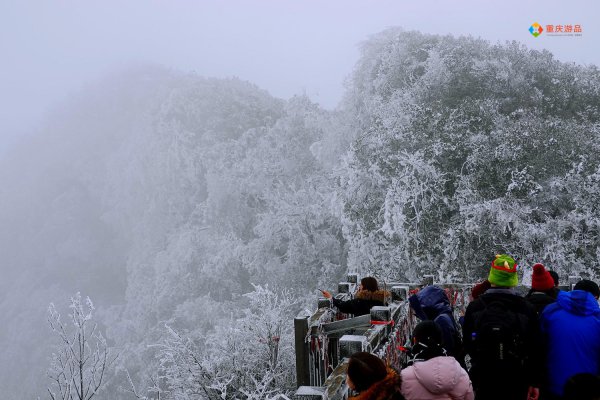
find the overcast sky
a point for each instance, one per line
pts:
(50, 48)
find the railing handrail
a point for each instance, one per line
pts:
(324, 378)
(321, 344)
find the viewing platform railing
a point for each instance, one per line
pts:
(325, 339)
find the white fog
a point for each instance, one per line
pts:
(199, 169)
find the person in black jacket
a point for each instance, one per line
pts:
(368, 295)
(554, 276)
(543, 291)
(501, 334)
(582, 386)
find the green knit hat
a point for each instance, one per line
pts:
(504, 271)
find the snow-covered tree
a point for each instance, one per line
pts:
(170, 195)
(466, 149)
(251, 357)
(79, 366)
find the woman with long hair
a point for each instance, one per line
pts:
(368, 295)
(368, 375)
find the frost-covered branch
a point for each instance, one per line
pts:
(79, 366)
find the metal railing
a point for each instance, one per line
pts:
(326, 338)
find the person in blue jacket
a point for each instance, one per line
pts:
(432, 304)
(571, 330)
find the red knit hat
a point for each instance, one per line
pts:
(541, 279)
(480, 289)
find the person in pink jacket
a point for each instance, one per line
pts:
(433, 375)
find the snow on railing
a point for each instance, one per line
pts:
(326, 338)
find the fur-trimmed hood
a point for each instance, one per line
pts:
(378, 295)
(386, 389)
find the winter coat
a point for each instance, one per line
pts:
(437, 378)
(362, 302)
(571, 328)
(386, 389)
(484, 374)
(432, 303)
(541, 299)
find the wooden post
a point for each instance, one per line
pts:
(302, 349)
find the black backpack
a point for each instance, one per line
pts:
(499, 334)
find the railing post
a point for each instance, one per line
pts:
(323, 302)
(573, 279)
(352, 278)
(344, 287)
(302, 349)
(310, 393)
(350, 344)
(382, 314)
(399, 293)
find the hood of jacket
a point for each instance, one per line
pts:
(385, 389)
(430, 302)
(438, 375)
(578, 302)
(378, 295)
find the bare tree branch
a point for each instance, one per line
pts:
(79, 367)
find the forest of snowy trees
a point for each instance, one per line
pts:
(200, 215)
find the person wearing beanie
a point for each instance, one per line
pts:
(583, 387)
(503, 272)
(368, 375)
(543, 291)
(588, 286)
(433, 375)
(571, 331)
(515, 354)
(554, 276)
(480, 289)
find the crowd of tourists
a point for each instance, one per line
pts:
(541, 346)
